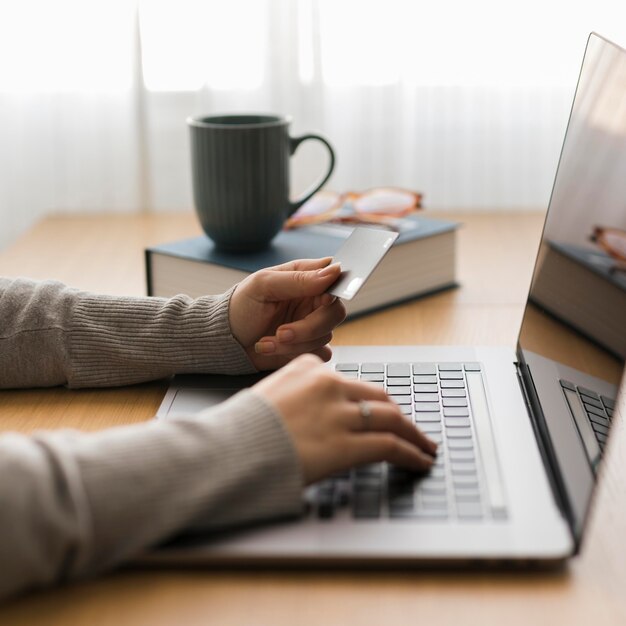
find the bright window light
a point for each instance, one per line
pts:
(66, 46)
(191, 43)
(456, 42)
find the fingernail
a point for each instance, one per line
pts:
(284, 335)
(328, 270)
(264, 347)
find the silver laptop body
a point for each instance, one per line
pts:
(522, 431)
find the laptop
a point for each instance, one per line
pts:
(522, 431)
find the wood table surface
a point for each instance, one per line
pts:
(496, 250)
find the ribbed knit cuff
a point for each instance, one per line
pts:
(117, 341)
(232, 464)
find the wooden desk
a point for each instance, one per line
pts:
(104, 253)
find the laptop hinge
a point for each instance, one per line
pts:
(545, 445)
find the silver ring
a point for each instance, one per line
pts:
(366, 413)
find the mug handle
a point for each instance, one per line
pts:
(294, 142)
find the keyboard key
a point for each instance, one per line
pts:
(452, 384)
(458, 433)
(456, 412)
(469, 510)
(608, 402)
(403, 500)
(451, 375)
(460, 444)
(366, 505)
(601, 438)
(462, 481)
(453, 393)
(377, 383)
(371, 469)
(426, 388)
(429, 416)
(463, 468)
(436, 437)
(591, 402)
(594, 410)
(609, 412)
(399, 382)
(437, 488)
(394, 390)
(588, 392)
(449, 402)
(426, 397)
(398, 399)
(326, 502)
(419, 514)
(406, 409)
(430, 380)
(467, 496)
(424, 368)
(439, 504)
(462, 455)
(430, 427)
(450, 367)
(398, 369)
(457, 422)
(373, 378)
(472, 367)
(421, 407)
(596, 419)
(436, 473)
(568, 385)
(372, 368)
(600, 429)
(347, 367)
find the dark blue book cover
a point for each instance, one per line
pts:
(302, 243)
(595, 261)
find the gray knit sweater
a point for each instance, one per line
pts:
(73, 504)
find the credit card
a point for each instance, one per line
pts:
(359, 256)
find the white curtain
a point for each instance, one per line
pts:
(464, 101)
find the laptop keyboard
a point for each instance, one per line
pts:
(435, 397)
(598, 409)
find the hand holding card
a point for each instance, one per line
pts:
(359, 256)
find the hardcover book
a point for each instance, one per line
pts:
(421, 261)
(589, 298)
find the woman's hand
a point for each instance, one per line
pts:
(331, 427)
(281, 312)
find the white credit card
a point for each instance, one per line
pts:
(361, 252)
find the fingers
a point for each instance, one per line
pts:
(268, 346)
(303, 264)
(374, 447)
(386, 417)
(282, 284)
(316, 324)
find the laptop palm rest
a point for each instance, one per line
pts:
(189, 401)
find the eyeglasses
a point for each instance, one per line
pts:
(382, 206)
(613, 242)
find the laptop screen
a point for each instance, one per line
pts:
(573, 334)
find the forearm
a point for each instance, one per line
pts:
(73, 504)
(51, 335)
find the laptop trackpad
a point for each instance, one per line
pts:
(189, 400)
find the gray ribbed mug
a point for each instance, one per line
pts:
(240, 172)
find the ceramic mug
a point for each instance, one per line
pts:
(240, 172)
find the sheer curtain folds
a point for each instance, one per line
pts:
(466, 102)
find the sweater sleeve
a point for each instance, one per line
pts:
(53, 335)
(73, 504)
